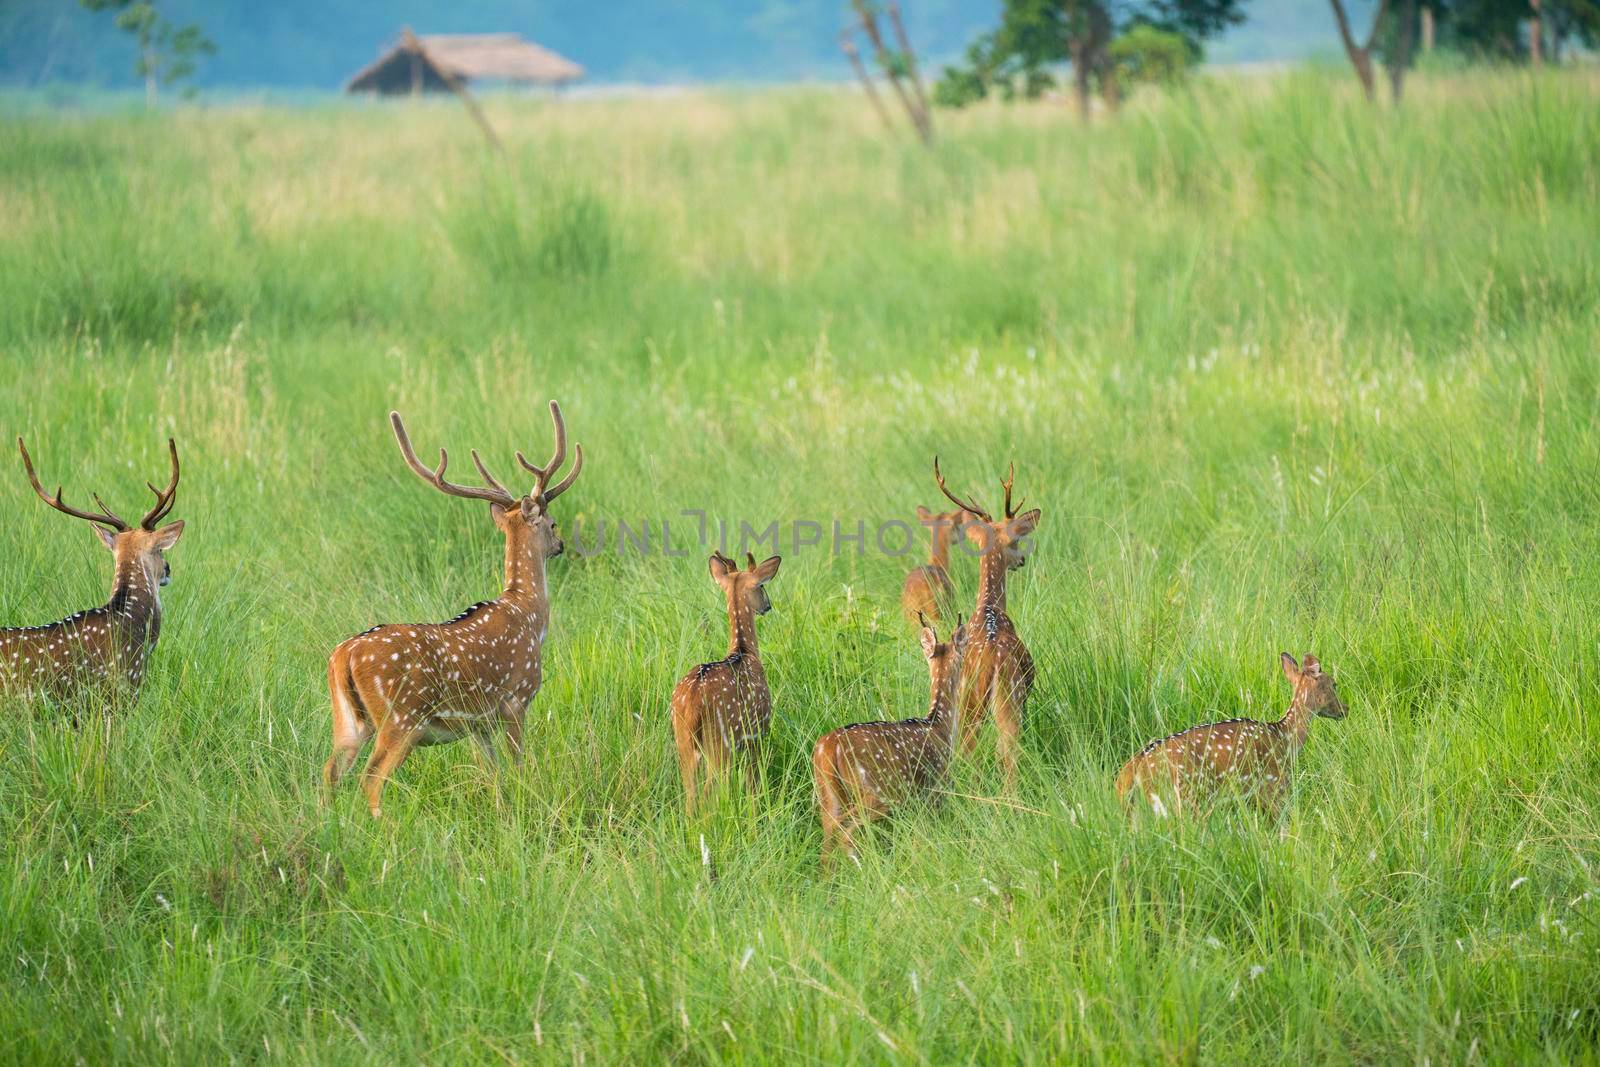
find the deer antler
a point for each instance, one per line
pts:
(495, 493)
(957, 501)
(164, 497)
(106, 517)
(1011, 476)
(542, 474)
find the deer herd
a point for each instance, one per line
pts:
(409, 684)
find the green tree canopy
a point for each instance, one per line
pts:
(1037, 36)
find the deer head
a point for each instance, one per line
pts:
(142, 546)
(1004, 536)
(1313, 689)
(944, 658)
(516, 516)
(940, 523)
(746, 587)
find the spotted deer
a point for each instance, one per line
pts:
(997, 671)
(928, 589)
(721, 710)
(433, 683)
(866, 770)
(108, 645)
(1252, 759)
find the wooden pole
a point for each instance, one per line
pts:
(904, 42)
(418, 53)
(854, 56)
(1536, 34)
(869, 25)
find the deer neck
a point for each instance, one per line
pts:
(942, 705)
(135, 603)
(939, 550)
(741, 627)
(991, 584)
(525, 581)
(1295, 724)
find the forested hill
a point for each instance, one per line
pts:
(319, 43)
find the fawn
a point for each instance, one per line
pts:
(997, 671)
(434, 683)
(865, 770)
(721, 709)
(928, 588)
(1255, 759)
(111, 643)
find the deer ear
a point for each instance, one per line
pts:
(1310, 664)
(767, 569)
(719, 567)
(930, 642)
(497, 511)
(958, 636)
(1024, 524)
(1291, 669)
(168, 535)
(107, 538)
(923, 514)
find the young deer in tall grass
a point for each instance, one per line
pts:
(997, 672)
(1252, 759)
(866, 770)
(108, 644)
(928, 589)
(429, 684)
(723, 709)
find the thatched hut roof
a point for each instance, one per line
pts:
(422, 63)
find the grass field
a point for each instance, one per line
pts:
(1282, 371)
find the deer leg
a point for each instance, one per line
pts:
(750, 763)
(514, 714)
(688, 761)
(844, 834)
(483, 747)
(393, 745)
(829, 810)
(1008, 708)
(713, 757)
(350, 729)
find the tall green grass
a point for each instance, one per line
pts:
(1284, 372)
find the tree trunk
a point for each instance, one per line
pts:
(1079, 51)
(1536, 34)
(1399, 57)
(1427, 29)
(1360, 54)
(854, 56)
(869, 25)
(924, 124)
(1110, 91)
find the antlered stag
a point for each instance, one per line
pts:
(108, 645)
(997, 672)
(428, 684)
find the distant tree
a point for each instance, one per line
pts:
(1503, 30)
(1036, 36)
(167, 52)
(1152, 56)
(1516, 30)
(1391, 39)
